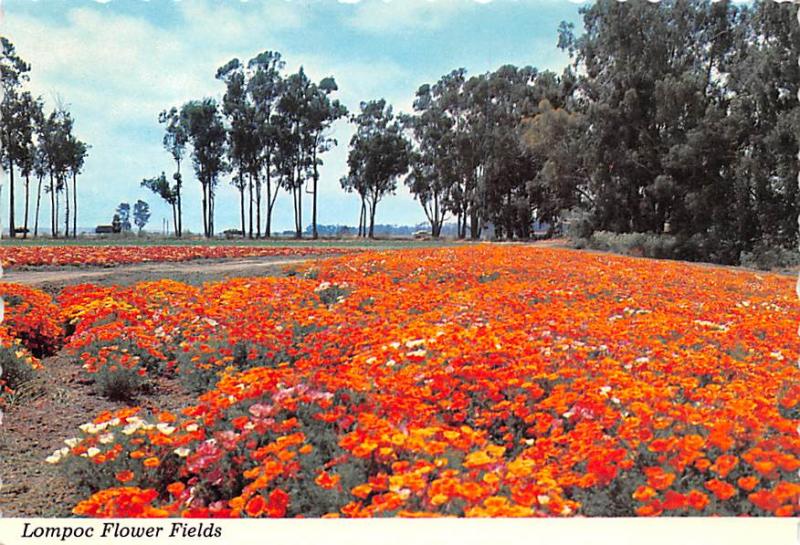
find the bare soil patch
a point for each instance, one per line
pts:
(48, 410)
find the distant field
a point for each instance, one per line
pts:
(273, 242)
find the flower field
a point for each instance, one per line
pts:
(107, 256)
(476, 381)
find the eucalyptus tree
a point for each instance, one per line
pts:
(206, 133)
(264, 87)
(13, 73)
(161, 187)
(31, 115)
(321, 113)
(76, 152)
(296, 143)
(379, 155)
(41, 164)
(55, 138)
(176, 138)
(242, 131)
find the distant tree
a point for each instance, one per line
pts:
(206, 133)
(123, 212)
(321, 113)
(379, 154)
(141, 214)
(295, 144)
(242, 130)
(13, 112)
(160, 186)
(176, 138)
(264, 87)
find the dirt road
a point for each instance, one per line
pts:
(126, 274)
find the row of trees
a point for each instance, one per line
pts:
(679, 117)
(269, 133)
(37, 147)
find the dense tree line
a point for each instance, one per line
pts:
(679, 117)
(267, 133)
(37, 147)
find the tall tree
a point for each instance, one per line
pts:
(242, 131)
(295, 141)
(13, 72)
(379, 154)
(175, 140)
(206, 133)
(265, 86)
(321, 113)
(160, 186)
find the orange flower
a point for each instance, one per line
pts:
(125, 476)
(152, 462)
(674, 500)
(748, 483)
(176, 488)
(255, 506)
(724, 464)
(327, 481)
(765, 500)
(644, 493)
(697, 500)
(658, 478)
(721, 489)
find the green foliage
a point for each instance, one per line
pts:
(635, 244)
(15, 369)
(767, 257)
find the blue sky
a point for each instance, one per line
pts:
(116, 64)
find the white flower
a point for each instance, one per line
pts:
(92, 452)
(106, 438)
(132, 427)
(89, 427)
(183, 452)
(53, 458)
(415, 343)
(72, 442)
(192, 428)
(165, 428)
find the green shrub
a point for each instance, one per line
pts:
(635, 244)
(120, 383)
(766, 257)
(16, 370)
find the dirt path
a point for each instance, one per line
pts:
(203, 269)
(50, 409)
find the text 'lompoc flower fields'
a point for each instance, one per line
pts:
(472, 381)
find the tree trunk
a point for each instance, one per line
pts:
(250, 194)
(205, 209)
(174, 219)
(362, 219)
(38, 205)
(66, 209)
(178, 184)
(314, 233)
(52, 207)
(74, 205)
(268, 226)
(12, 232)
(373, 207)
(27, 203)
(241, 200)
